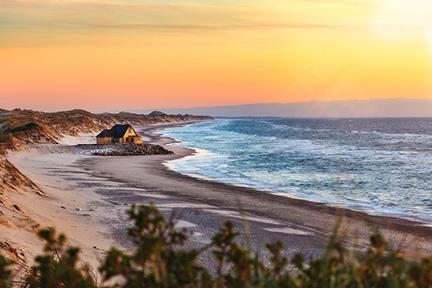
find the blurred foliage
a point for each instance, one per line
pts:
(159, 260)
(5, 273)
(58, 265)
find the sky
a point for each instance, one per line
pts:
(137, 54)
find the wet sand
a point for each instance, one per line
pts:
(87, 196)
(263, 217)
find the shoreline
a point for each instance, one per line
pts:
(346, 206)
(92, 193)
(166, 140)
(318, 217)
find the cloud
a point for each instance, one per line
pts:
(125, 15)
(198, 27)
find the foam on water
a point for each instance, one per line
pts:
(382, 166)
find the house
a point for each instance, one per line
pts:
(120, 134)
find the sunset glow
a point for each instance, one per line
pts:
(125, 54)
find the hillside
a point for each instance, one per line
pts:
(13, 216)
(18, 128)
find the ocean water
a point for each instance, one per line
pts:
(381, 166)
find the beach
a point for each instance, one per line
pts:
(87, 196)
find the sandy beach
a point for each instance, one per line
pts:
(303, 225)
(86, 197)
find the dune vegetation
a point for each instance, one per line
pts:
(160, 260)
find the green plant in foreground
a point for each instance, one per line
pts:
(159, 260)
(58, 265)
(5, 273)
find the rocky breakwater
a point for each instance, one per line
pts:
(124, 150)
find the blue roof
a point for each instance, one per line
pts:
(120, 130)
(117, 131)
(105, 133)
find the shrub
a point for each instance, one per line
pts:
(58, 265)
(5, 273)
(159, 260)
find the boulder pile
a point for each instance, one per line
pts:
(131, 150)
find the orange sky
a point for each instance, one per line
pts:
(132, 54)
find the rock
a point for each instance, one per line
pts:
(127, 150)
(63, 207)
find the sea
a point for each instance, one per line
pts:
(380, 166)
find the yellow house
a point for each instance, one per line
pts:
(120, 134)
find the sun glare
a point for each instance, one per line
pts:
(401, 19)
